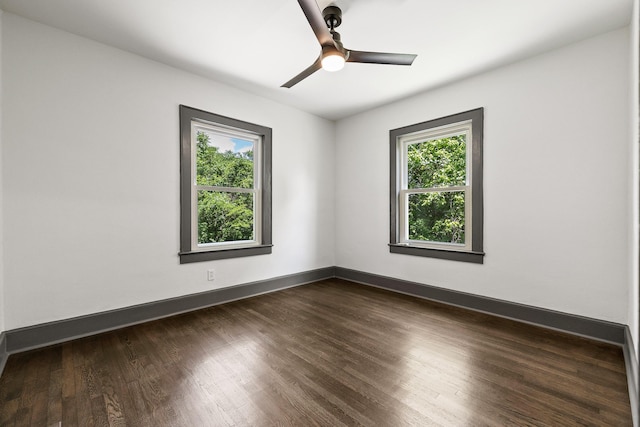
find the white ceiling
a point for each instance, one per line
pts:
(257, 45)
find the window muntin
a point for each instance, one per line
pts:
(436, 201)
(225, 187)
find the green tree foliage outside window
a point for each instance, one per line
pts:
(437, 215)
(224, 215)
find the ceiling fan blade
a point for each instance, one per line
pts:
(380, 57)
(314, 16)
(306, 73)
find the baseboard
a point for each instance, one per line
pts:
(578, 325)
(3, 351)
(631, 363)
(42, 335)
(17, 340)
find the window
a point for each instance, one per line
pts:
(436, 188)
(225, 187)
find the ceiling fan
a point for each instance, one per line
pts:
(333, 54)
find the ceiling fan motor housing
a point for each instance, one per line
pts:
(332, 16)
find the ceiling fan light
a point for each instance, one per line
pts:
(333, 62)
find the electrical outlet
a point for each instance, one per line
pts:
(211, 275)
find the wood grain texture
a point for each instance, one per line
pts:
(330, 353)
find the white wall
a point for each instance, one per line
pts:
(634, 157)
(556, 176)
(91, 178)
(2, 328)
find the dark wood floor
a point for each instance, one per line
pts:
(331, 353)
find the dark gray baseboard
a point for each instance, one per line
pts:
(42, 335)
(3, 351)
(631, 363)
(578, 325)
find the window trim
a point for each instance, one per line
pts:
(474, 253)
(263, 245)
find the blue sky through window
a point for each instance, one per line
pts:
(241, 146)
(225, 143)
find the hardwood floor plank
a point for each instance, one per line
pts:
(54, 408)
(136, 407)
(39, 408)
(99, 414)
(114, 408)
(82, 398)
(68, 369)
(70, 411)
(9, 412)
(11, 387)
(328, 354)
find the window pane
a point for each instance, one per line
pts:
(224, 161)
(437, 163)
(224, 217)
(437, 217)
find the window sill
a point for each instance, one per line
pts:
(466, 256)
(187, 257)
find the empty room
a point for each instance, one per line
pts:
(319, 212)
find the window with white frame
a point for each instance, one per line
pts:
(225, 187)
(436, 188)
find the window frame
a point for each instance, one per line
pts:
(190, 120)
(400, 139)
